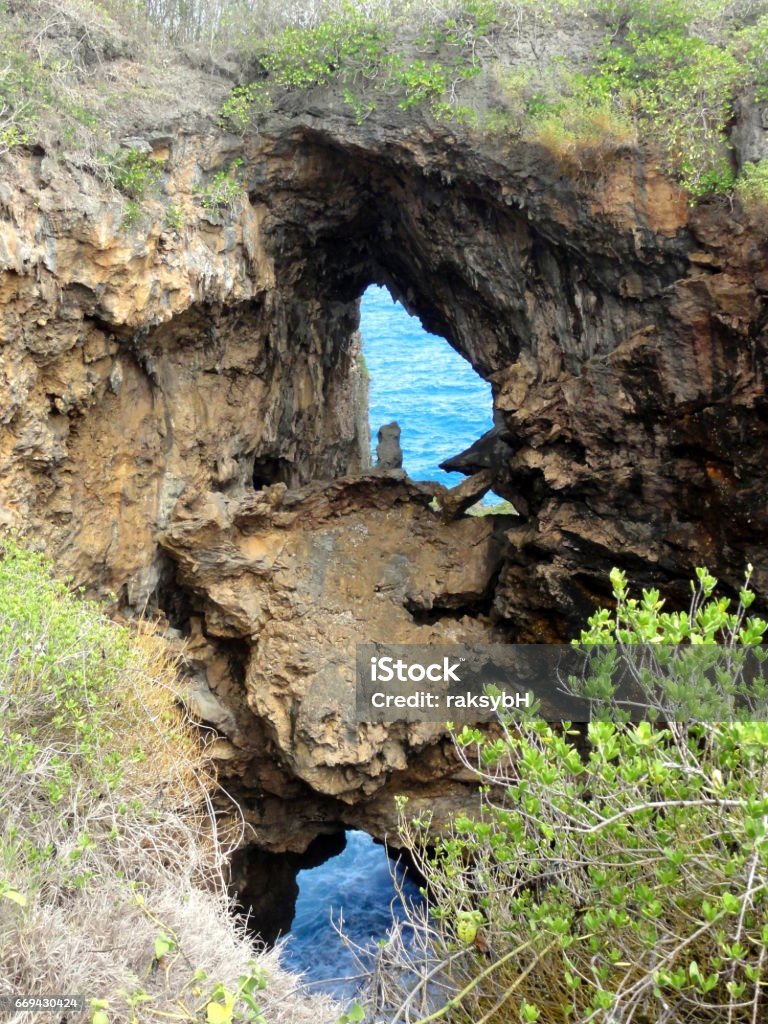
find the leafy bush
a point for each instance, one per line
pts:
(174, 218)
(133, 173)
(111, 859)
(243, 103)
(360, 48)
(614, 875)
(22, 94)
(304, 57)
(677, 85)
(752, 186)
(45, 54)
(224, 188)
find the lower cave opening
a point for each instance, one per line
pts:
(268, 471)
(346, 880)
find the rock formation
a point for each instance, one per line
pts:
(389, 454)
(294, 580)
(184, 419)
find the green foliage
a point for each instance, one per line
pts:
(675, 84)
(133, 173)
(224, 189)
(751, 45)
(354, 1015)
(368, 52)
(56, 646)
(620, 873)
(227, 1006)
(419, 80)
(350, 47)
(244, 103)
(360, 107)
(709, 620)
(105, 842)
(23, 93)
(665, 74)
(132, 215)
(692, 665)
(41, 77)
(752, 186)
(174, 218)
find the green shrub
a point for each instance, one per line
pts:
(224, 189)
(350, 46)
(23, 94)
(752, 186)
(133, 173)
(174, 218)
(132, 215)
(360, 49)
(243, 103)
(615, 875)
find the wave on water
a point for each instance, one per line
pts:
(356, 884)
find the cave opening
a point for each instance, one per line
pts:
(344, 879)
(416, 379)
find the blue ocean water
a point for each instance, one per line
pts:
(356, 884)
(441, 404)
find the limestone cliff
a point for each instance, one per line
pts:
(160, 378)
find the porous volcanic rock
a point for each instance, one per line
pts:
(157, 382)
(298, 578)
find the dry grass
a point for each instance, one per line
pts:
(110, 843)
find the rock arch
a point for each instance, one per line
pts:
(152, 377)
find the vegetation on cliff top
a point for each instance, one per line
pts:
(572, 75)
(111, 856)
(617, 875)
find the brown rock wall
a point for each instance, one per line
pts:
(157, 381)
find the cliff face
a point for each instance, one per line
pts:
(159, 379)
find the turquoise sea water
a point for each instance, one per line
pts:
(439, 401)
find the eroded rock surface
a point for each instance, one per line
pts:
(298, 578)
(157, 383)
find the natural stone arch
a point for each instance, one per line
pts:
(572, 289)
(624, 339)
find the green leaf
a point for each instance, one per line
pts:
(221, 1007)
(164, 944)
(14, 896)
(219, 1013)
